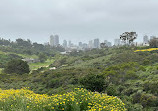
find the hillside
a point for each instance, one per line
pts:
(122, 72)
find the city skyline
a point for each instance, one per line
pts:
(77, 20)
(116, 40)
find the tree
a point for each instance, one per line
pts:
(38, 46)
(103, 45)
(153, 43)
(42, 57)
(17, 66)
(23, 43)
(128, 37)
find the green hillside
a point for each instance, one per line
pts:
(122, 72)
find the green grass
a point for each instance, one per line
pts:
(28, 56)
(22, 55)
(2, 52)
(35, 66)
(1, 70)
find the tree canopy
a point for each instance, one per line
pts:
(17, 66)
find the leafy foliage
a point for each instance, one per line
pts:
(94, 82)
(17, 66)
(42, 57)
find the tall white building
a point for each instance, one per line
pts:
(70, 44)
(96, 43)
(85, 46)
(80, 44)
(107, 43)
(54, 40)
(145, 39)
(117, 42)
(65, 44)
(90, 44)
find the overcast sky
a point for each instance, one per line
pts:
(77, 20)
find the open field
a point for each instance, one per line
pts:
(35, 66)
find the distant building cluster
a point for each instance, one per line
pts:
(117, 42)
(69, 46)
(146, 40)
(84, 46)
(125, 39)
(108, 44)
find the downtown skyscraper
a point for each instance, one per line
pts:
(54, 40)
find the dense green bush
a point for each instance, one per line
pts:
(42, 57)
(121, 72)
(94, 82)
(146, 100)
(17, 66)
(112, 90)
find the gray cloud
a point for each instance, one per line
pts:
(76, 20)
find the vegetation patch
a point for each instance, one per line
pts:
(150, 49)
(77, 100)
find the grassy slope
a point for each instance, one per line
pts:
(63, 77)
(22, 55)
(33, 66)
(89, 63)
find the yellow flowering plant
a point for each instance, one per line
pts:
(78, 100)
(143, 50)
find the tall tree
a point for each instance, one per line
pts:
(128, 37)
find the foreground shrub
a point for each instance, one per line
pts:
(78, 100)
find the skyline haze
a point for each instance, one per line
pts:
(77, 20)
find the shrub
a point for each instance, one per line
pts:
(111, 90)
(16, 66)
(93, 82)
(146, 100)
(42, 57)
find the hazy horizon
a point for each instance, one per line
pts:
(77, 20)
